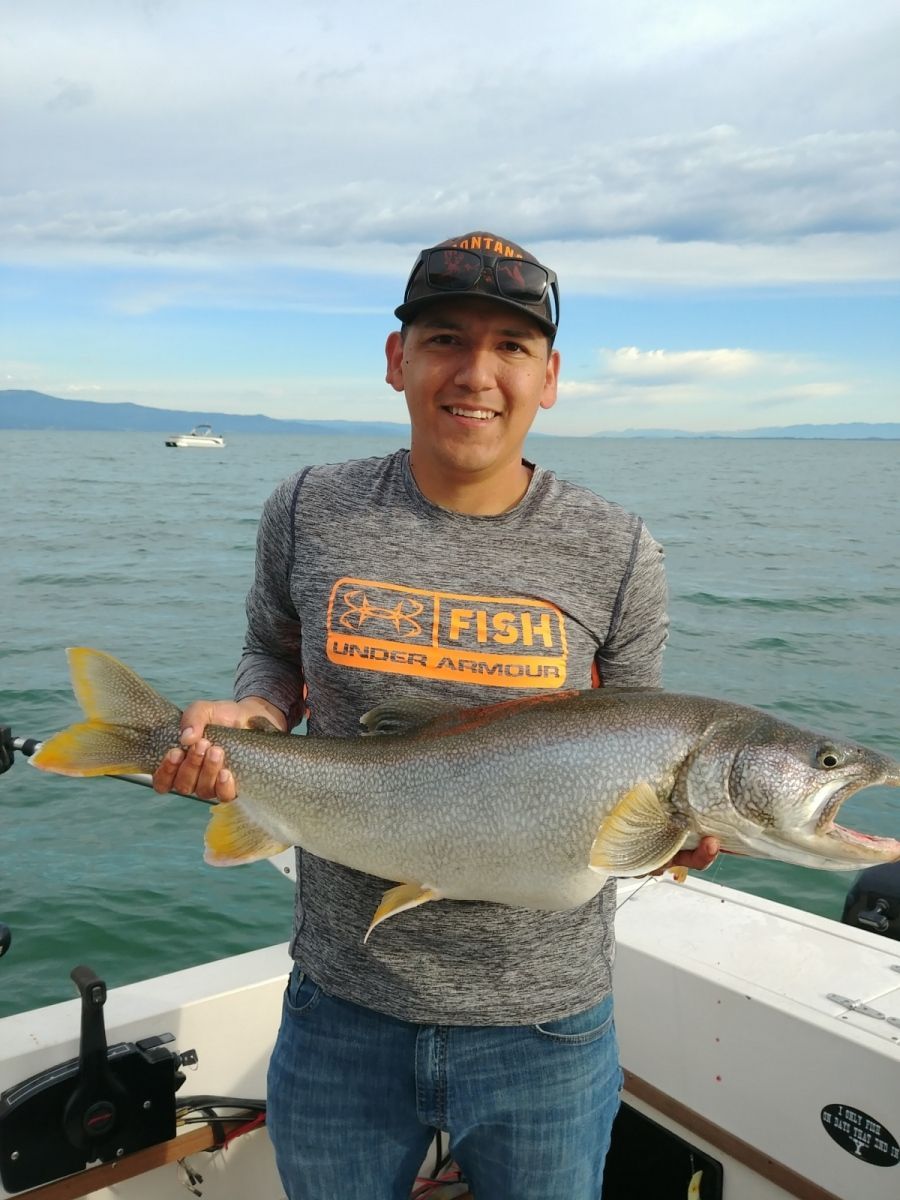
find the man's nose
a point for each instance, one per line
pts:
(476, 370)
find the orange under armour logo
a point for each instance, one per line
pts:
(359, 611)
(497, 641)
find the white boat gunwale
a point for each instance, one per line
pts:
(727, 1034)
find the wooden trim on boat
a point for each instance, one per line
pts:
(769, 1168)
(75, 1186)
(109, 1174)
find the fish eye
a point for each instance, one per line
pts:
(828, 757)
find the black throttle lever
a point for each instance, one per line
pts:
(109, 1102)
(99, 1100)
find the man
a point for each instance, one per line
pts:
(457, 570)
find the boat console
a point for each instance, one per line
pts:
(109, 1102)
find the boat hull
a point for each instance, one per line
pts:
(186, 442)
(201, 437)
(731, 1038)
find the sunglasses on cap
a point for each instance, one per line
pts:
(450, 269)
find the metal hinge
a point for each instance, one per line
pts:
(857, 1007)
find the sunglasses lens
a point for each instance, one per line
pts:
(520, 280)
(453, 270)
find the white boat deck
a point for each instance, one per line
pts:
(722, 1002)
(721, 1005)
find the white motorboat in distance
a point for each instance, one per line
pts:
(200, 435)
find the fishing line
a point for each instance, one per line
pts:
(635, 892)
(650, 878)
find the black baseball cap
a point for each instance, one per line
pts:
(482, 264)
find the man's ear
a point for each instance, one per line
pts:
(551, 380)
(393, 352)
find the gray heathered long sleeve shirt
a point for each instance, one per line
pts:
(363, 590)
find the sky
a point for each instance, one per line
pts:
(216, 205)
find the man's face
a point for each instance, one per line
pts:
(475, 374)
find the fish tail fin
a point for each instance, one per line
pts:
(124, 714)
(233, 837)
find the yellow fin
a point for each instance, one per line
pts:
(399, 899)
(639, 835)
(233, 837)
(109, 691)
(96, 748)
(128, 723)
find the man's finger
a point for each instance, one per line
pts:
(705, 853)
(226, 789)
(164, 775)
(212, 764)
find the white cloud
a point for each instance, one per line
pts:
(702, 210)
(70, 94)
(312, 127)
(703, 390)
(236, 159)
(661, 366)
(645, 263)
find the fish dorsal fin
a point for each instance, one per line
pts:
(233, 837)
(438, 718)
(400, 716)
(640, 835)
(400, 899)
(624, 689)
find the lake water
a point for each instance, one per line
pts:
(785, 593)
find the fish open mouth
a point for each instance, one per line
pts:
(831, 796)
(829, 799)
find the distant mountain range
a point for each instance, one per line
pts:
(35, 410)
(850, 431)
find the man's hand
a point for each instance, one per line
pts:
(198, 768)
(697, 859)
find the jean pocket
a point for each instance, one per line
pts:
(301, 993)
(580, 1028)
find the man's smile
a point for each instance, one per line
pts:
(477, 414)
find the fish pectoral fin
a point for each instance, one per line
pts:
(399, 899)
(233, 837)
(639, 835)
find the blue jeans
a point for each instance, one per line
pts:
(354, 1098)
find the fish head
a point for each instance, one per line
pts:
(780, 789)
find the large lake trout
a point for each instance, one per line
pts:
(534, 802)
